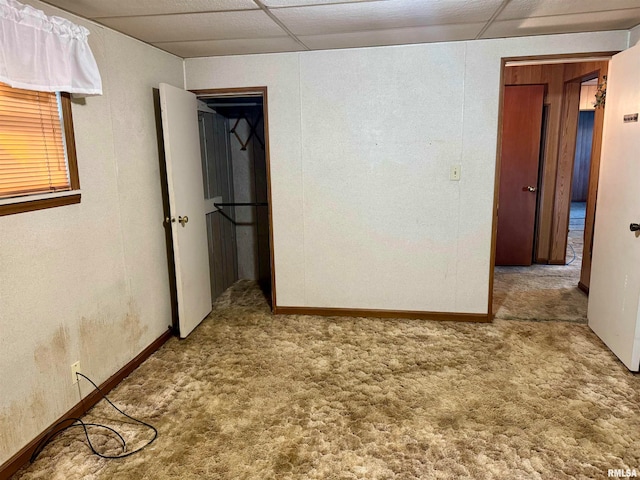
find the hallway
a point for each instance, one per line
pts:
(545, 292)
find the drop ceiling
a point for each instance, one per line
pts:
(195, 28)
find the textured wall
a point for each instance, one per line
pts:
(88, 282)
(380, 215)
(361, 145)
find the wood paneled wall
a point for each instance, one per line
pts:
(562, 83)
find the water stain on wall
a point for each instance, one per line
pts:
(54, 353)
(107, 343)
(22, 421)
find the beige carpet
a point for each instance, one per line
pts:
(542, 292)
(253, 396)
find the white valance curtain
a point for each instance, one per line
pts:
(48, 54)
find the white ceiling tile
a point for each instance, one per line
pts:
(225, 27)
(231, 47)
(299, 3)
(366, 16)
(119, 8)
(397, 36)
(198, 26)
(540, 8)
(583, 22)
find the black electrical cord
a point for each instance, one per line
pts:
(574, 254)
(77, 422)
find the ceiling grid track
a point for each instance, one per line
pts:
(492, 19)
(280, 24)
(150, 15)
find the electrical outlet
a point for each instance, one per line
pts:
(75, 368)
(455, 173)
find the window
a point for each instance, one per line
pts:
(38, 166)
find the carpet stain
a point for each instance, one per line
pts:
(255, 396)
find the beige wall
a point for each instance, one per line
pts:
(88, 282)
(362, 141)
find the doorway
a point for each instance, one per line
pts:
(232, 127)
(565, 187)
(581, 170)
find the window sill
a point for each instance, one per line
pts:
(9, 206)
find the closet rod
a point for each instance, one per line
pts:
(245, 204)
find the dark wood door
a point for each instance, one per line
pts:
(521, 132)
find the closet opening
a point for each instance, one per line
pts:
(235, 167)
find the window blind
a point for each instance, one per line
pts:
(32, 147)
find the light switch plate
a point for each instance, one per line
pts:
(455, 173)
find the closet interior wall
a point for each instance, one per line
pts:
(250, 186)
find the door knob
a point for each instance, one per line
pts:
(168, 220)
(634, 227)
(529, 188)
(183, 220)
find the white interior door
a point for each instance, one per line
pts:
(187, 204)
(614, 292)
